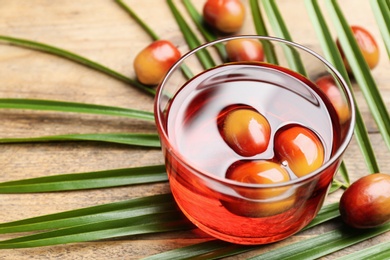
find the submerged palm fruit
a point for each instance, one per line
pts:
(245, 50)
(153, 62)
(226, 16)
(259, 202)
(258, 172)
(366, 203)
(328, 86)
(300, 148)
(246, 131)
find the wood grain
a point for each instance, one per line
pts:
(103, 32)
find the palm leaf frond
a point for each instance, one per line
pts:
(88, 180)
(333, 55)
(62, 106)
(145, 140)
(361, 71)
(76, 58)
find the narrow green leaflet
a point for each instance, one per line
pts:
(333, 55)
(138, 216)
(361, 71)
(76, 58)
(216, 249)
(111, 211)
(294, 60)
(381, 9)
(336, 185)
(377, 252)
(146, 140)
(62, 106)
(88, 180)
(259, 24)
(208, 34)
(190, 37)
(280, 28)
(149, 30)
(322, 245)
(344, 173)
(144, 224)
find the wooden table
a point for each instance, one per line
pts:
(103, 32)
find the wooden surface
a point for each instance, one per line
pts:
(103, 32)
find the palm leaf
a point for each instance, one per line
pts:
(322, 245)
(154, 223)
(127, 208)
(76, 58)
(190, 37)
(262, 30)
(144, 26)
(216, 249)
(146, 140)
(149, 31)
(281, 31)
(88, 180)
(361, 71)
(208, 34)
(377, 252)
(137, 216)
(381, 9)
(333, 55)
(293, 58)
(62, 106)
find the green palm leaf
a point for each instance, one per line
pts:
(294, 60)
(144, 26)
(190, 37)
(62, 106)
(88, 180)
(149, 31)
(377, 252)
(333, 55)
(381, 9)
(137, 216)
(281, 31)
(111, 211)
(217, 249)
(208, 34)
(361, 71)
(76, 58)
(322, 245)
(261, 29)
(146, 140)
(144, 224)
